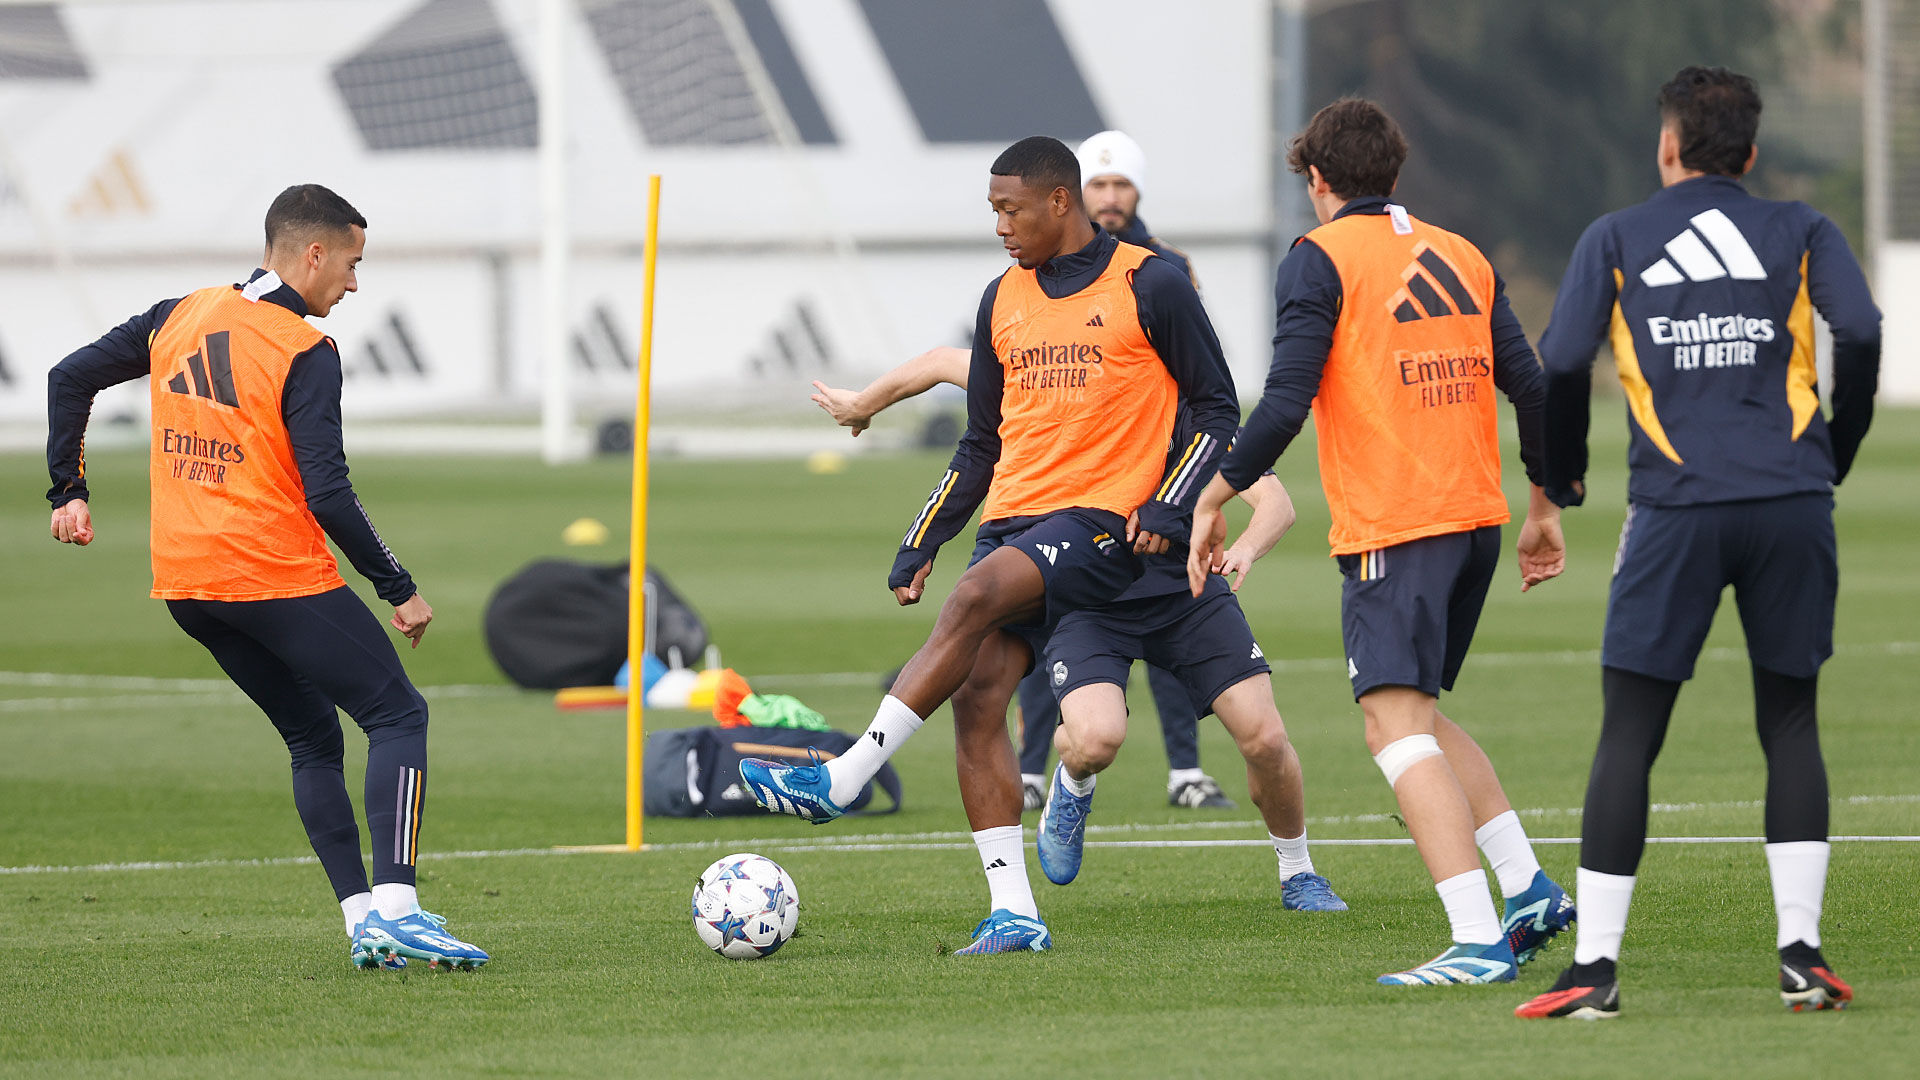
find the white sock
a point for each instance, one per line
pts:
(1176, 777)
(1004, 858)
(1799, 872)
(893, 724)
(1602, 900)
(395, 901)
(1293, 855)
(1469, 908)
(355, 908)
(1028, 779)
(1504, 841)
(1081, 788)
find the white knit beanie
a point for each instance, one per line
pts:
(1113, 152)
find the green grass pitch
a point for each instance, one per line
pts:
(129, 748)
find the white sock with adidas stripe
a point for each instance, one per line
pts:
(1004, 859)
(893, 724)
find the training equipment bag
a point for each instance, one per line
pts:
(695, 772)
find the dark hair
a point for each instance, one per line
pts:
(1041, 162)
(1716, 114)
(1356, 146)
(309, 208)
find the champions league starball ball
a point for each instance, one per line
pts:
(745, 907)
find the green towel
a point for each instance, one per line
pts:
(781, 710)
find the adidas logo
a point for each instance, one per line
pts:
(212, 377)
(1052, 553)
(879, 737)
(997, 864)
(1257, 654)
(1096, 321)
(1427, 276)
(1352, 671)
(1689, 260)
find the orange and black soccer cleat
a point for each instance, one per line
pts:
(1807, 984)
(1583, 992)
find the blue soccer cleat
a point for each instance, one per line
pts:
(1307, 891)
(419, 936)
(1460, 964)
(1003, 931)
(801, 790)
(1531, 919)
(1063, 830)
(366, 959)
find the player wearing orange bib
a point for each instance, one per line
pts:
(1397, 334)
(249, 480)
(1081, 354)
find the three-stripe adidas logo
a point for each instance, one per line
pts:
(1052, 553)
(218, 364)
(1426, 277)
(1096, 321)
(997, 864)
(1689, 260)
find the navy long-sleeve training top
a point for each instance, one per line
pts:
(309, 404)
(1707, 294)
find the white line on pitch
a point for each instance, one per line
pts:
(857, 845)
(58, 680)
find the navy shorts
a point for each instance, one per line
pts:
(1204, 642)
(1408, 612)
(1082, 554)
(1674, 561)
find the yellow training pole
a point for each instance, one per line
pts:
(637, 552)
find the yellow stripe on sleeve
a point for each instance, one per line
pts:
(1639, 394)
(1802, 396)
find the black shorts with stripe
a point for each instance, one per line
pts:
(1408, 612)
(1082, 555)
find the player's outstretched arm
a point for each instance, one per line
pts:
(962, 487)
(1582, 314)
(1273, 515)
(120, 355)
(856, 408)
(1542, 548)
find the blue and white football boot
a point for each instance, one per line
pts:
(1063, 829)
(366, 959)
(1003, 931)
(801, 790)
(419, 936)
(1460, 964)
(1307, 891)
(1531, 919)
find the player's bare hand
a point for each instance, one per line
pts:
(843, 406)
(411, 617)
(1542, 550)
(1145, 543)
(908, 595)
(1234, 563)
(73, 523)
(1206, 549)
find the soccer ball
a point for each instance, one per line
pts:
(745, 906)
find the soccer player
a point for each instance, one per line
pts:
(1082, 352)
(249, 482)
(1708, 295)
(1113, 169)
(1206, 644)
(1403, 332)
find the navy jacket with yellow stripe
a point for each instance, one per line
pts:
(1707, 294)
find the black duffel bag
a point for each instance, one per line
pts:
(558, 623)
(695, 772)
